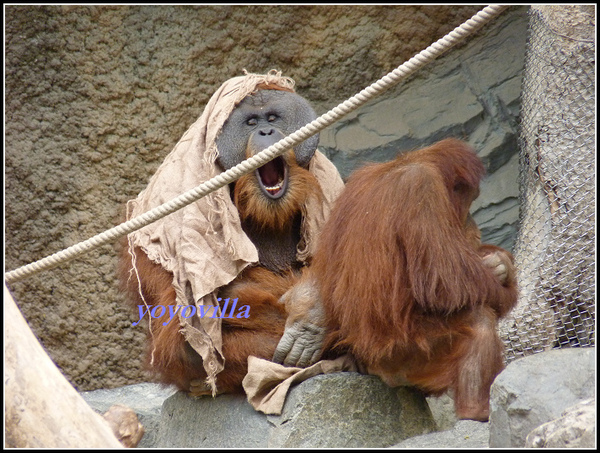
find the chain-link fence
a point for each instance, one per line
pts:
(555, 250)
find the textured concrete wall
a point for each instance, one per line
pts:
(97, 96)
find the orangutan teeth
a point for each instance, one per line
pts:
(275, 189)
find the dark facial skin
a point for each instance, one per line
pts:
(261, 120)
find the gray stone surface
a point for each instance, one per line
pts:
(145, 400)
(442, 409)
(575, 429)
(327, 411)
(532, 398)
(465, 434)
(537, 389)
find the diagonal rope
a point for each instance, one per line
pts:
(403, 71)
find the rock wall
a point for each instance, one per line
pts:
(472, 94)
(97, 96)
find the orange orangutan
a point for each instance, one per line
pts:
(270, 204)
(405, 284)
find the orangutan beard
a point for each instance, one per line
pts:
(272, 196)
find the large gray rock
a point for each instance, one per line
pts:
(327, 411)
(537, 389)
(575, 429)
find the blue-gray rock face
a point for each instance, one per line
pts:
(472, 94)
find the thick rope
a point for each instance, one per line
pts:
(406, 69)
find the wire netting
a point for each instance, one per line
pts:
(555, 248)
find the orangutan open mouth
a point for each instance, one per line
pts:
(273, 178)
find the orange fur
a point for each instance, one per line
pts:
(402, 280)
(259, 210)
(400, 271)
(169, 356)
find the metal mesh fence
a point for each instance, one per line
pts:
(555, 249)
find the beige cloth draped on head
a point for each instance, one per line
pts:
(203, 244)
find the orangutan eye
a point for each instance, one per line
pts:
(252, 122)
(271, 118)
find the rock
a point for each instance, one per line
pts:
(442, 409)
(353, 410)
(465, 434)
(144, 399)
(327, 411)
(537, 389)
(575, 429)
(125, 425)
